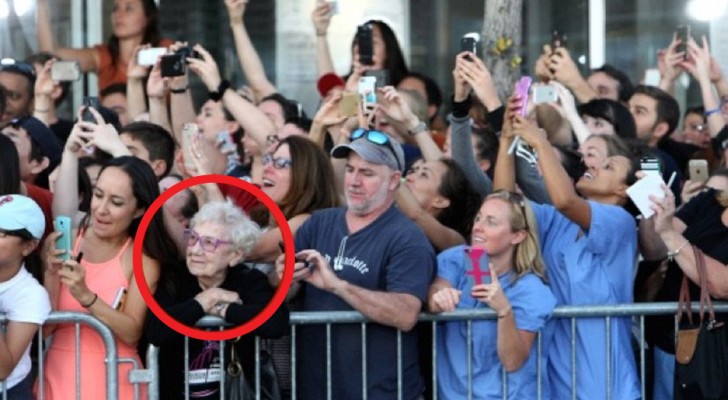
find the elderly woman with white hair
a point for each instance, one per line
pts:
(215, 282)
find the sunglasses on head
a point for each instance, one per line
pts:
(18, 67)
(376, 137)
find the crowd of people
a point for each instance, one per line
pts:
(512, 205)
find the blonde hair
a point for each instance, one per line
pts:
(527, 254)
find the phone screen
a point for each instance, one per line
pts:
(365, 44)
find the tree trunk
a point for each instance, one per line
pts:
(503, 20)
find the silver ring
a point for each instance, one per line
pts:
(219, 307)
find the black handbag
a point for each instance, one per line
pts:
(701, 350)
(237, 386)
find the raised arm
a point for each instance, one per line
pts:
(461, 145)
(504, 177)
(44, 108)
(560, 188)
(565, 71)
(668, 62)
(157, 94)
(136, 103)
(439, 235)
(400, 115)
(87, 58)
(699, 66)
(250, 118)
(247, 55)
(65, 197)
(321, 18)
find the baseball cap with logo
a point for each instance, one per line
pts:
(21, 216)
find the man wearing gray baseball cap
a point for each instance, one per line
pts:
(368, 257)
(23, 301)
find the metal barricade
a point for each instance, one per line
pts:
(111, 358)
(636, 311)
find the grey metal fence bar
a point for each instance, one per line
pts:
(111, 361)
(572, 312)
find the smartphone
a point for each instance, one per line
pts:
(333, 7)
(558, 39)
(227, 145)
(349, 105)
(651, 165)
(544, 93)
(368, 89)
(189, 130)
(683, 34)
(66, 71)
(365, 44)
(381, 75)
(306, 264)
(173, 65)
(477, 267)
(469, 43)
(522, 87)
(62, 223)
(652, 77)
(92, 102)
(698, 170)
(149, 56)
(119, 299)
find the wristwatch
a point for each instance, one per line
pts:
(217, 95)
(420, 127)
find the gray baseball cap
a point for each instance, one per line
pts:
(389, 153)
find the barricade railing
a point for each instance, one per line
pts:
(150, 375)
(111, 357)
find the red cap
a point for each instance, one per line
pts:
(328, 82)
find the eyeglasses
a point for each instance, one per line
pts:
(208, 243)
(18, 67)
(278, 163)
(376, 137)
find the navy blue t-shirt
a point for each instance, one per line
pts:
(391, 254)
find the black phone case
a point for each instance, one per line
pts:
(93, 102)
(366, 47)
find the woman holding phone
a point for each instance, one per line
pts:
(508, 278)
(134, 22)
(100, 268)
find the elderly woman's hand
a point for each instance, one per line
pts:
(215, 300)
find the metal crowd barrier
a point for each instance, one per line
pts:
(150, 375)
(638, 311)
(112, 360)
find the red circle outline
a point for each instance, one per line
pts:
(270, 308)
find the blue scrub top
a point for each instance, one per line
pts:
(532, 303)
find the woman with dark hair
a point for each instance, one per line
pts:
(299, 177)
(609, 117)
(589, 244)
(134, 22)
(439, 198)
(386, 52)
(100, 272)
